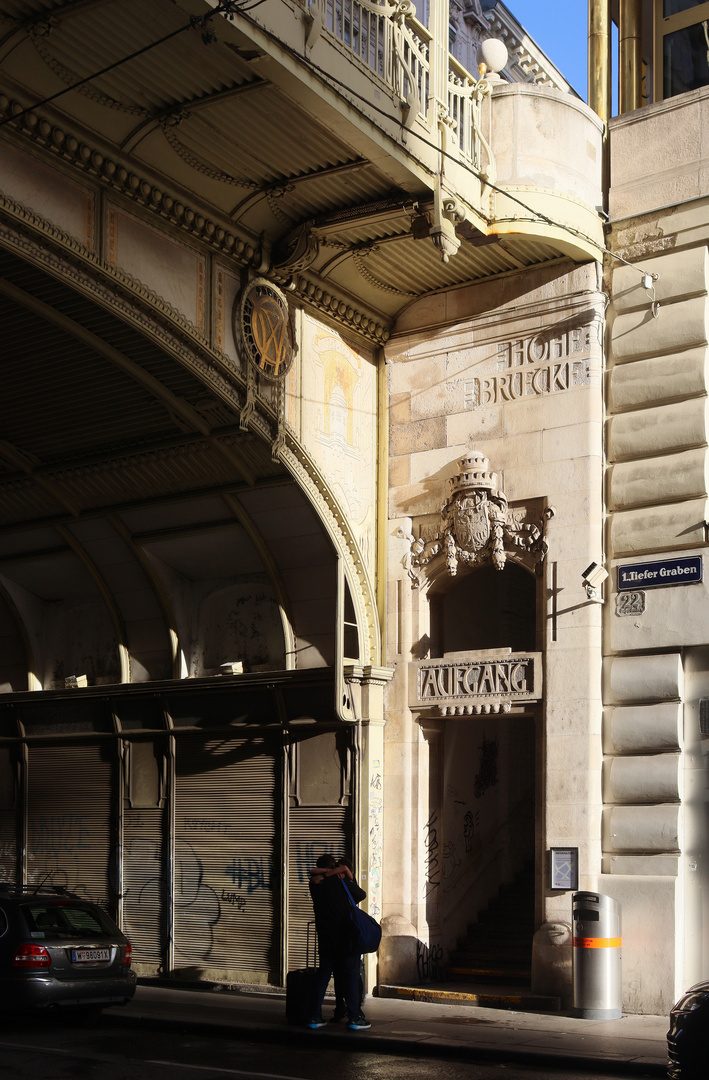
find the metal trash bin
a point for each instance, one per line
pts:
(596, 962)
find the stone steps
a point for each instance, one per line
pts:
(498, 947)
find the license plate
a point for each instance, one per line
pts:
(83, 956)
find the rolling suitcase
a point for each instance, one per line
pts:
(300, 984)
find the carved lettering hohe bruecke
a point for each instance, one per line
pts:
(534, 366)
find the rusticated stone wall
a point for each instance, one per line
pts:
(656, 492)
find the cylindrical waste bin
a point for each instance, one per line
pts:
(596, 945)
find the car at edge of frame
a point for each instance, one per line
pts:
(688, 1035)
(57, 949)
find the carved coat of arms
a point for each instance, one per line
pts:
(477, 524)
(470, 518)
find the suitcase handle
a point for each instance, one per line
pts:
(311, 930)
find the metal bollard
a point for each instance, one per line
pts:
(596, 957)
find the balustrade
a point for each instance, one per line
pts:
(385, 37)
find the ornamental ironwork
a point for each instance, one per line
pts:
(263, 327)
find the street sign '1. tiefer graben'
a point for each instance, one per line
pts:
(653, 575)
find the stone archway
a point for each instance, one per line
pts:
(195, 426)
(475, 691)
(163, 493)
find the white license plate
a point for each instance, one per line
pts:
(83, 956)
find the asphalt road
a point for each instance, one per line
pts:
(52, 1048)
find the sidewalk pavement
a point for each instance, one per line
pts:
(447, 1027)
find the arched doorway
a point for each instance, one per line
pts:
(486, 775)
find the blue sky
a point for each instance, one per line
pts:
(559, 27)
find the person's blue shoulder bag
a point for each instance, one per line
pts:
(366, 931)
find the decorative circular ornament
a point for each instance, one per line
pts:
(265, 330)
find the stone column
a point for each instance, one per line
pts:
(367, 686)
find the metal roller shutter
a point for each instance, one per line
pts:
(144, 883)
(8, 815)
(8, 845)
(312, 832)
(226, 865)
(69, 817)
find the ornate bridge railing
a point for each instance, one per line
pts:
(386, 37)
(366, 28)
(465, 95)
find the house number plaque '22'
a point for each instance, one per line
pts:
(630, 603)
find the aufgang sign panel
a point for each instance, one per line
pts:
(655, 575)
(475, 682)
(545, 363)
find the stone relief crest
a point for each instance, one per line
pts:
(477, 525)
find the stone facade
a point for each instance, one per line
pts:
(654, 831)
(515, 375)
(484, 403)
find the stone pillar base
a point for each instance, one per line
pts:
(551, 962)
(397, 952)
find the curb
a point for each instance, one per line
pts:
(371, 1043)
(522, 1002)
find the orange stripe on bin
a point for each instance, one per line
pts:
(597, 942)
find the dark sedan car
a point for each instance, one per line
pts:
(57, 949)
(688, 1037)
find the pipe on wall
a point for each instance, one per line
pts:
(630, 56)
(599, 58)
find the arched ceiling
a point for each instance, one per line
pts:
(130, 498)
(83, 390)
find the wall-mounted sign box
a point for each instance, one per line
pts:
(564, 868)
(654, 575)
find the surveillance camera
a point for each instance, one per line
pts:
(593, 577)
(594, 574)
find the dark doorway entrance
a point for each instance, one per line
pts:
(488, 787)
(486, 609)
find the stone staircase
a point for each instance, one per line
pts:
(498, 947)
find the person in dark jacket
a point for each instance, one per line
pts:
(340, 1012)
(329, 884)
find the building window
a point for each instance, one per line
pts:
(682, 46)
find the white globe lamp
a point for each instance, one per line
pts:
(492, 57)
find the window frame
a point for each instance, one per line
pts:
(666, 25)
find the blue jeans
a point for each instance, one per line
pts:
(345, 968)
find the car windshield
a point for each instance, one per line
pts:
(66, 918)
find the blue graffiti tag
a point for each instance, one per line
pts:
(308, 854)
(58, 834)
(250, 874)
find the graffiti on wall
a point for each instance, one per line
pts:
(432, 859)
(429, 962)
(470, 823)
(250, 874)
(307, 855)
(375, 839)
(59, 834)
(237, 901)
(195, 900)
(57, 848)
(205, 825)
(451, 859)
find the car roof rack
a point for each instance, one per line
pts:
(32, 890)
